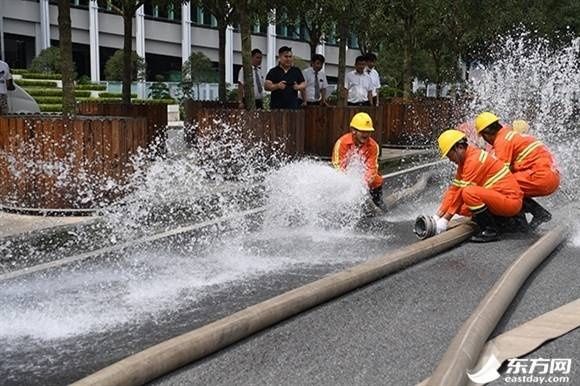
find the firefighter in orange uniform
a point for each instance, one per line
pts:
(359, 143)
(483, 187)
(530, 161)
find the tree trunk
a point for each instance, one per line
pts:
(343, 36)
(127, 54)
(246, 36)
(407, 69)
(314, 42)
(222, 28)
(66, 64)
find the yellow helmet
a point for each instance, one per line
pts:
(448, 139)
(485, 119)
(520, 126)
(362, 122)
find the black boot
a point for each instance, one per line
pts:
(487, 229)
(540, 214)
(377, 196)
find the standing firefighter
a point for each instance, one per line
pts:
(483, 187)
(359, 143)
(530, 161)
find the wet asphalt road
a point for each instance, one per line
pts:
(394, 331)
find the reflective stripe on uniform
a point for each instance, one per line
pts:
(336, 155)
(504, 171)
(530, 148)
(483, 156)
(509, 136)
(474, 208)
(461, 183)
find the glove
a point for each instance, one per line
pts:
(441, 224)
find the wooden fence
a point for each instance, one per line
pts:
(155, 114)
(324, 125)
(397, 122)
(285, 127)
(54, 163)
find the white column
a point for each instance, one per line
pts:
(185, 31)
(2, 31)
(230, 55)
(271, 43)
(140, 45)
(44, 36)
(94, 41)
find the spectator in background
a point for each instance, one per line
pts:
(258, 81)
(371, 59)
(284, 81)
(316, 83)
(6, 84)
(358, 84)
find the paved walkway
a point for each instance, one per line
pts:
(16, 224)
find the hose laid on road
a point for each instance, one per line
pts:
(184, 349)
(466, 346)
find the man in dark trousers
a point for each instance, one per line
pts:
(284, 81)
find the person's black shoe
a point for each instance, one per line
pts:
(521, 223)
(541, 215)
(377, 197)
(487, 228)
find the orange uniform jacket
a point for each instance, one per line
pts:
(482, 180)
(529, 159)
(345, 148)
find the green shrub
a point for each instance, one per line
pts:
(114, 95)
(154, 101)
(114, 66)
(48, 100)
(49, 92)
(47, 61)
(111, 99)
(91, 86)
(84, 79)
(35, 83)
(35, 75)
(389, 92)
(18, 71)
(51, 108)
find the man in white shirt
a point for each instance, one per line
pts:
(6, 85)
(371, 59)
(316, 83)
(358, 84)
(258, 81)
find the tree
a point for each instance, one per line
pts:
(197, 69)
(67, 66)
(114, 68)
(249, 12)
(225, 15)
(313, 15)
(127, 10)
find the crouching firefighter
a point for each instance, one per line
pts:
(530, 161)
(360, 144)
(483, 187)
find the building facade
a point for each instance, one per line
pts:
(164, 37)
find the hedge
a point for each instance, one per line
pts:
(37, 75)
(91, 86)
(35, 83)
(51, 108)
(50, 100)
(114, 95)
(154, 101)
(48, 92)
(18, 71)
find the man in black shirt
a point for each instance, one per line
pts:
(284, 81)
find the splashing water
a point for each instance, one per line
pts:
(527, 79)
(314, 195)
